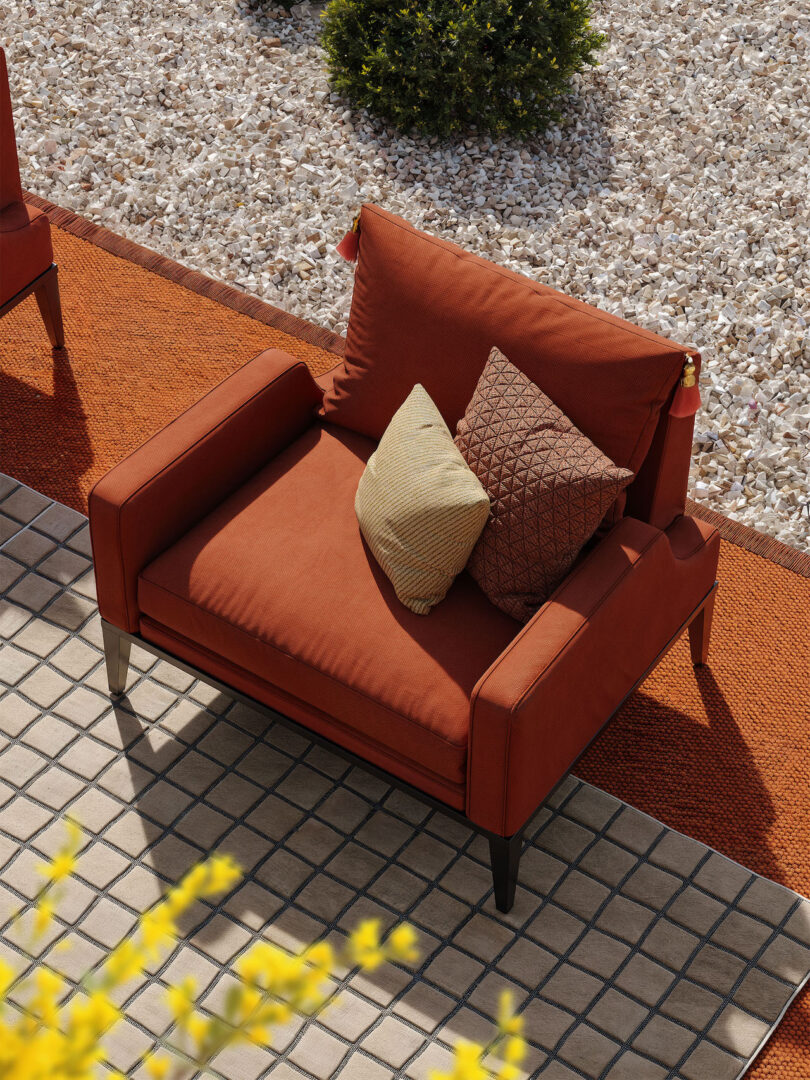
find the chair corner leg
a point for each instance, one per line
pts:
(504, 853)
(116, 655)
(50, 307)
(700, 631)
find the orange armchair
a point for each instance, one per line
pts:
(26, 254)
(228, 544)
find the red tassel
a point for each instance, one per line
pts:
(687, 397)
(686, 401)
(349, 246)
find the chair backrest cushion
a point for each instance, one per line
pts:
(425, 311)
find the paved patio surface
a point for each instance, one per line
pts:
(635, 952)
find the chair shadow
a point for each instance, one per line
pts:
(711, 788)
(264, 25)
(573, 155)
(692, 749)
(44, 439)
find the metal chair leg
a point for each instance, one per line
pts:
(116, 654)
(504, 853)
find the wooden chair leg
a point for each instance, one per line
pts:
(50, 307)
(700, 630)
(504, 854)
(116, 654)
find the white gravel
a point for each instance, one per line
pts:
(677, 196)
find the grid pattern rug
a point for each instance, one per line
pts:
(634, 952)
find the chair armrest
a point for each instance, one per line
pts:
(544, 699)
(145, 504)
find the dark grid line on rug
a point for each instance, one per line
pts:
(458, 877)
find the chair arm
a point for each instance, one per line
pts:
(544, 699)
(145, 504)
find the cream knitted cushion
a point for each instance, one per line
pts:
(420, 506)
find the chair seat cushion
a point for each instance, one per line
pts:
(25, 247)
(278, 582)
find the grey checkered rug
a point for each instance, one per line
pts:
(634, 952)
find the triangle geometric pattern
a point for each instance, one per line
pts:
(549, 487)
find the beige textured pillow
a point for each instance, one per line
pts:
(420, 506)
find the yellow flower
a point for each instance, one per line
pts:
(223, 874)
(507, 1072)
(181, 999)
(321, 955)
(198, 1028)
(157, 1067)
(402, 944)
(44, 1003)
(158, 929)
(61, 866)
(364, 945)
(125, 962)
(508, 1023)
(466, 1065)
(6, 979)
(250, 966)
(515, 1050)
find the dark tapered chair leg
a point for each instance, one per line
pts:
(50, 307)
(700, 630)
(116, 653)
(504, 854)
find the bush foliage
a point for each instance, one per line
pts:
(445, 66)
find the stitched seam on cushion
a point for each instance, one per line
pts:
(584, 623)
(187, 450)
(18, 228)
(27, 224)
(560, 298)
(299, 660)
(704, 540)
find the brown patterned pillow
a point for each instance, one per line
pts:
(549, 487)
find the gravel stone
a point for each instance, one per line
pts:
(676, 195)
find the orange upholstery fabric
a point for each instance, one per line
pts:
(253, 584)
(25, 233)
(542, 702)
(425, 311)
(10, 188)
(160, 491)
(25, 247)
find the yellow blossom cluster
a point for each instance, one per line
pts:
(508, 1046)
(50, 1032)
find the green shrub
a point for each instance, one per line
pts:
(444, 66)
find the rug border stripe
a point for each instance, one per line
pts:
(744, 536)
(167, 268)
(734, 532)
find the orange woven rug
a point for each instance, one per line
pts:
(722, 755)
